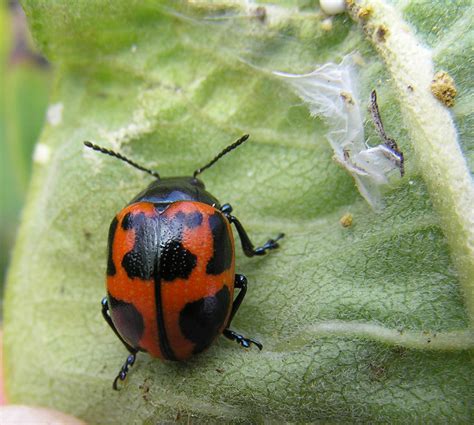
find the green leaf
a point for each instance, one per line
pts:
(360, 324)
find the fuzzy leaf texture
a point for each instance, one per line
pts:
(367, 323)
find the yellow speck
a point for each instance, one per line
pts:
(326, 24)
(358, 59)
(443, 88)
(365, 12)
(346, 220)
(347, 97)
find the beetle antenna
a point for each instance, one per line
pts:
(221, 154)
(121, 157)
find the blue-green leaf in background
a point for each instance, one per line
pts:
(24, 87)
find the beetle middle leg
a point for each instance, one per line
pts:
(133, 351)
(247, 244)
(240, 283)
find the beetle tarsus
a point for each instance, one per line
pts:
(269, 245)
(124, 371)
(240, 282)
(240, 339)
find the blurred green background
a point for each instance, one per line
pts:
(25, 80)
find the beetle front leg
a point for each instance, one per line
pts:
(133, 351)
(247, 245)
(239, 283)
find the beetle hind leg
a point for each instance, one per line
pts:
(240, 339)
(124, 370)
(239, 283)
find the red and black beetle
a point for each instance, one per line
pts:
(170, 270)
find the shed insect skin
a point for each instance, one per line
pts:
(387, 141)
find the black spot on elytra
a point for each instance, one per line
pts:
(127, 221)
(222, 256)
(176, 261)
(190, 220)
(111, 270)
(141, 260)
(200, 321)
(127, 319)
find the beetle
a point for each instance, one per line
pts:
(171, 268)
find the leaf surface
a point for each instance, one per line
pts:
(360, 324)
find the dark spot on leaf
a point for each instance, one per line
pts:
(381, 33)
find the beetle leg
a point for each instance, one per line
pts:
(243, 341)
(124, 370)
(247, 244)
(108, 319)
(133, 351)
(240, 283)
